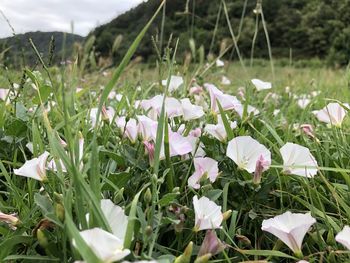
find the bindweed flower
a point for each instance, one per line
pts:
(261, 85)
(131, 130)
(106, 114)
(245, 152)
(196, 90)
(227, 102)
(298, 160)
(10, 219)
(207, 214)
(190, 111)
(218, 131)
(343, 237)
(219, 63)
(204, 168)
(211, 244)
(303, 102)
(332, 114)
(34, 168)
(308, 130)
(175, 82)
(149, 146)
(225, 81)
(261, 166)
(107, 247)
(154, 106)
(250, 110)
(147, 128)
(116, 218)
(289, 227)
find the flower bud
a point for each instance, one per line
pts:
(59, 210)
(147, 196)
(226, 215)
(148, 230)
(203, 259)
(42, 239)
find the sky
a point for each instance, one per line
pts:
(57, 15)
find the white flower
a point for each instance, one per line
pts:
(116, 218)
(175, 82)
(303, 102)
(333, 114)
(190, 111)
(290, 228)
(225, 80)
(227, 102)
(300, 157)
(207, 214)
(219, 63)
(250, 110)
(107, 247)
(204, 167)
(218, 131)
(245, 152)
(34, 168)
(343, 237)
(261, 85)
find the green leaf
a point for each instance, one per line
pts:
(167, 199)
(266, 253)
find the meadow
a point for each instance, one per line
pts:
(189, 159)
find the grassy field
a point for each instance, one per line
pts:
(165, 162)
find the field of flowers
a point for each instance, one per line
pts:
(185, 167)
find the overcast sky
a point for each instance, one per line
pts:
(56, 15)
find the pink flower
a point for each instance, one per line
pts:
(332, 114)
(308, 130)
(204, 168)
(11, 219)
(211, 244)
(196, 90)
(261, 166)
(227, 102)
(147, 128)
(149, 146)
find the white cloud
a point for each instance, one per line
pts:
(57, 15)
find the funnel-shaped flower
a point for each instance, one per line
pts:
(303, 102)
(107, 247)
(218, 130)
(34, 168)
(225, 81)
(261, 85)
(219, 63)
(11, 219)
(250, 110)
(131, 130)
(245, 152)
(333, 114)
(298, 160)
(207, 214)
(116, 218)
(147, 127)
(343, 237)
(154, 106)
(227, 102)
(175, 82)
(211, 244)
(290, 228)
(190, 111)
(204, 167)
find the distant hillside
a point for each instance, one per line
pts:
(20, 48)
(303, 28)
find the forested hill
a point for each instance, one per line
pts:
(303, 28)
(18, 47)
